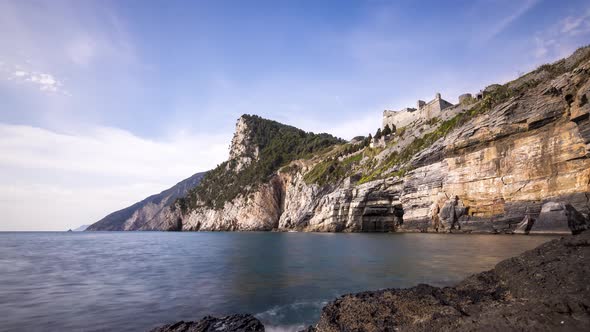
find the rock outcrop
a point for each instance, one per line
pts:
(233, 323)
(544, 289)
(559, 218)
(243, 150)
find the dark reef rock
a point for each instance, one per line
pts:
(233, 323)
(544, 289)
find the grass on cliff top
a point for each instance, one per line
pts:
(278, 145)
(419, 144)
(331, 170)
(501, 94)
(549, 71)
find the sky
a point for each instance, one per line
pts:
(103, 103)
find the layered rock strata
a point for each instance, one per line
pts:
(491, 173)
(500, 167)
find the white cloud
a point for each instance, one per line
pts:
(43, 81)
(46, 82)
(109, 151)
(78, 178)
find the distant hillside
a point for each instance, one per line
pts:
(141, 213)
(81, 228)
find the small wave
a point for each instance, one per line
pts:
(291, 317)
(284, 328)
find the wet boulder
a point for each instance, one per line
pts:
(525, 226)
(557, 217)
(452, 210)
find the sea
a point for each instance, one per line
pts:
(135, 281)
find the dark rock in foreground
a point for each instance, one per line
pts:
(544, 289)
(233, 323)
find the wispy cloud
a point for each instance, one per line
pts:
(505, 22)
(577, 24)
(561, 38)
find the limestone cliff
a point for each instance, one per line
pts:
(517, 160)
(491, 163)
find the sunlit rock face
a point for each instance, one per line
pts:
(502, 166)
(259, 211)
(242, 149)
(492, 173)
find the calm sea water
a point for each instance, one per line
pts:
(131, 281)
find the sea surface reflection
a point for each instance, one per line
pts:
(128, 281)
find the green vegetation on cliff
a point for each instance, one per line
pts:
(278, 145)
(397, 163)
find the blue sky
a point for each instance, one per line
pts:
(105, 102)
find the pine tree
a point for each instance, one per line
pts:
(386, 130)
(368, 140)
(378, 134)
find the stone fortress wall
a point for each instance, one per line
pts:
(424, 111)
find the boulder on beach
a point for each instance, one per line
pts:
(557, 217)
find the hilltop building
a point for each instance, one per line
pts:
(423, 111)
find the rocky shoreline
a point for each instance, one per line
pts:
(544, 289)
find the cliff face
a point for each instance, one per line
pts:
(518, 160)
(493, 169)
(502, 165)
(258, 211)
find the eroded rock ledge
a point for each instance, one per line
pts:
(544, 289)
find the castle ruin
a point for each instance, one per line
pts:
(423, 111)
